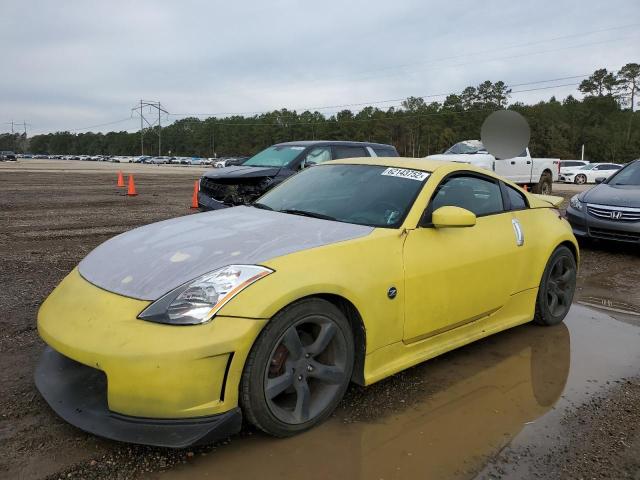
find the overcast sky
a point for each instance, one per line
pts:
(74, 64)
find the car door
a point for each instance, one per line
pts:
(517, 169)
(456, 275)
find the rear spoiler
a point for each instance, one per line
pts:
(545, 201)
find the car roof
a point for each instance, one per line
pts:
(412, 163)
(308, 143)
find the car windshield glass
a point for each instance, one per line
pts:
(362, 194)
(276, 156)
(466, 148)
(629, 175)
(588, 167)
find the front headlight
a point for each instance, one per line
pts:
(575, 203)
(199, 300)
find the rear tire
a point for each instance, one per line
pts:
(298, 369)
(557, 287)
(545, 185)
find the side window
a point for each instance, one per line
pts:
(316, 155)
(385, 151)
(345, 151)
(517, 200)
(478, 195)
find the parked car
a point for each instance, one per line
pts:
(229, 162)
(589, 173)
(538, 174)
(269, 311)
(567, 166)
(8, 155)
(610, 210)
(232, 162)
(158, 160)
(242, 184)
(140, 159)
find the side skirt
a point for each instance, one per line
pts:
(399, 356)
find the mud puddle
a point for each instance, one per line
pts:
(475, 401)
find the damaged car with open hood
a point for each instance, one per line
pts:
(172, 333)
(242, 184)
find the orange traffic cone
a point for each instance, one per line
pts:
(120, 179)
(194, 197)
(132, 187)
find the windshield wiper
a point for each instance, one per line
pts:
(304, 213)
(261, 206)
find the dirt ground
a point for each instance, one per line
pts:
(53, 214)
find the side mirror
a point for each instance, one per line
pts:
(453, 217)
(600, 179)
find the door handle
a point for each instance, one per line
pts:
(528, 162)
(517, 230)
(513, 162)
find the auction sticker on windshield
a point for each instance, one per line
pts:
(406, 173)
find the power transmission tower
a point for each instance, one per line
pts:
(15, 124)
(151, 105)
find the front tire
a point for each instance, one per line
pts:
(580, 179)
(557, 287)
(298, 369)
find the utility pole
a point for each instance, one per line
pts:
(143, 120)
(213, 141)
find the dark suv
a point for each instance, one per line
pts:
(242, 184)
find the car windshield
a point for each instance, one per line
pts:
(466, 148)
(630, 175)
(362, 194)
(588, 167)
(276, 156)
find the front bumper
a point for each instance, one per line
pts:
(205, 202)
(78, 394)
(153, 371)
(588, 226)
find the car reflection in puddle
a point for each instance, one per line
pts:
(479, 398)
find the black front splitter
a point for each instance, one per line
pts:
(78, 394)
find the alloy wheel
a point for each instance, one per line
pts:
(306, 370)
(560, 286)
(581, 179)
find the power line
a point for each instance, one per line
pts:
(395, 100)
(385, 119)
(509, 47)
(395, 68)
(376, 102)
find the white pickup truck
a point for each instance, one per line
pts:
(537, 174)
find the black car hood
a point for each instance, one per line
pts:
(242, 171)
(616, 195)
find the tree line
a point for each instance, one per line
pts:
(604, 121)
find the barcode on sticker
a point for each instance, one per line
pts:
(406, 173)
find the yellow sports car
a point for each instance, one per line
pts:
(351, 270)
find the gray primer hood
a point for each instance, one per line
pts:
(149, 261)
